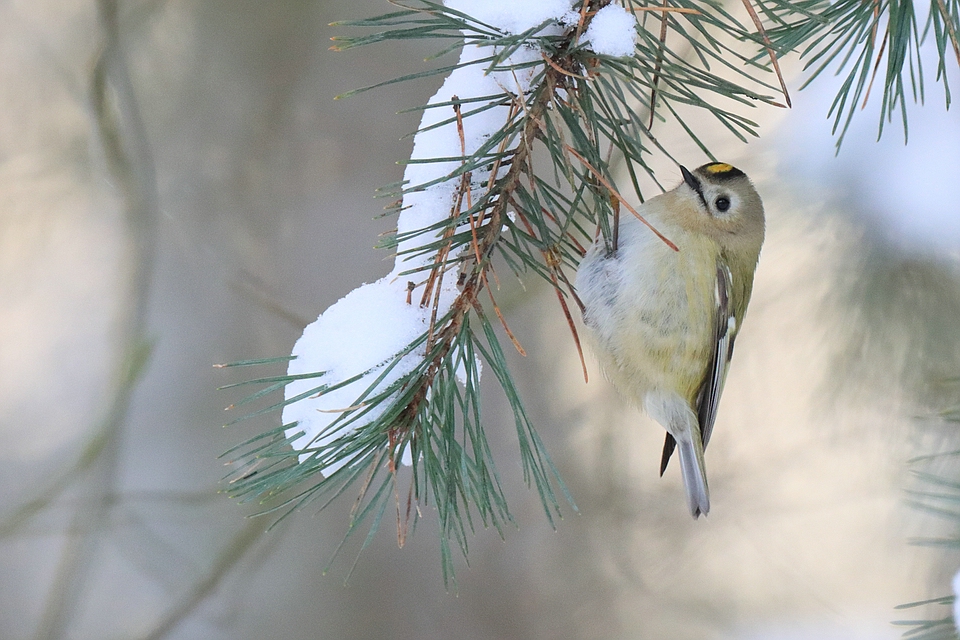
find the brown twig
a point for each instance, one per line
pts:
(550, 259)
(553, 263)
(614, 192)
(403, 527)
(659, 65)
(489, 234)
(950, 30)
(570, 237)
(515, 106)
(503, 320)
(571, 289)
(344, 409)
(695, 12)
(876, 67)
(441, 258)
(769, 47)
(463, 153)
(560, 69)
(355, 509)
(582, 22)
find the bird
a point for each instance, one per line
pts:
(662, 310)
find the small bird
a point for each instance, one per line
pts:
(663, 321)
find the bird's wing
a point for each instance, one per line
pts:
(708, 398)
(725, 331)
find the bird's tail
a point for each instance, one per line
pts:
(694, 475)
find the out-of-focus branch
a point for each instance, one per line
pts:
(126, 150)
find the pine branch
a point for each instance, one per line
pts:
(856, 38)
(515, 167)
(939, 497)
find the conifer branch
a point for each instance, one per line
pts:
(489, 196)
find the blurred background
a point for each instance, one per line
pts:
(178, 188)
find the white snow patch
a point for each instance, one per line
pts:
(362, 334)
(612, 32)
(517, 16)
(363, 331)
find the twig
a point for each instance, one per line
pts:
(553, 264)
(664, 8)
(475, 281)
(560, 69)
(571, 289)
(582, 21)
(876, 67)
(503, 321)
(463, 152)
(403, 527)
(659, 65)
(950, 30)
(440, 260)
(345, 409)
(769, 47)
(554, 269)
(613, 191)
(127, 153)
(371, 473)
(570, 237)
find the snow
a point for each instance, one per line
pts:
(612, 32)
(362, 334)
(517, 16)
(433, 205)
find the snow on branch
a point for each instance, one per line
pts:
(370, 330)
(389, 375)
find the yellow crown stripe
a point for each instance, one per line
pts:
(719, 167)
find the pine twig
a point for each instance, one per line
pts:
(659, 64)
(951, 31)
(612, 190)
(770, 51)
(876, 67)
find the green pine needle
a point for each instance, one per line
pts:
(558, 158)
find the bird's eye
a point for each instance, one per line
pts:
(722, 203)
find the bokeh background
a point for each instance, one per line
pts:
(178, 188)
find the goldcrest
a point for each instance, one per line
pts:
(663, 321)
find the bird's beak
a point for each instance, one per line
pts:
(690, 179)
(694, 183)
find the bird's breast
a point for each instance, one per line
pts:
(650, 309)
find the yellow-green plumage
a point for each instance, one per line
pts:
(662, 321)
